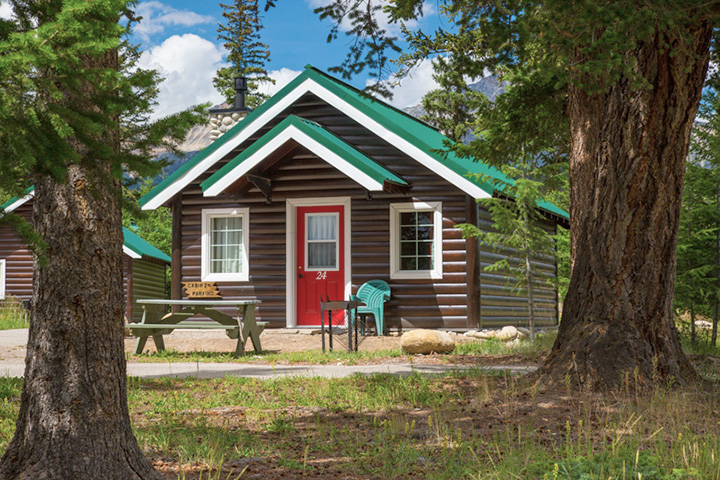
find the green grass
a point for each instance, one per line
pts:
(12, 314)
(464, 425)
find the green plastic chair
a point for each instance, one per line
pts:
(373, 294)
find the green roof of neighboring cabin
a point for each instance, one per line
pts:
(141, 247)
(130, 240)
(430, 143)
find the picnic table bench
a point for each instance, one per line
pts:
(156, 322)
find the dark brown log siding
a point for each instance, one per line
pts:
(148, 275)
(299, 174)
(415, 303)
(18, 259)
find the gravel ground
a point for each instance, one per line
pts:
(275, 340)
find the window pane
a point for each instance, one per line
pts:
(425, 233)
(408, 263)
(424, 248)
(226, 240)
(417, 231)
(322, 255)
(408, 218)
(321, 227)
(424, 263)
(408, 248)
(408, 233)
(425, 218)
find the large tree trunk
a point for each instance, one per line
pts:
(627, 165)
(73, 420)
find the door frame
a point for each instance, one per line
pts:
(291, 205)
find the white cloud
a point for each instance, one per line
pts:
(6, 10)
(282, 77)
(157, 16)
(382, 17)
(410, 90)
(188, 64)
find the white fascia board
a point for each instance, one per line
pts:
(227, 147)
(20, 202)
(310, 85)
(130, 253)
(399, 142)
(293, 133)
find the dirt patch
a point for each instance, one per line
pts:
(284, 341)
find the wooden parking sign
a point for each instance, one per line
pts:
(201, 289)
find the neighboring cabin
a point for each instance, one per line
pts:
(323, 188)
(144, 266)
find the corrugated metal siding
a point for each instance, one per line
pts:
(500, 303)
(148, 281)
(19, 260)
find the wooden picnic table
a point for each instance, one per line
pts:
(156, 322)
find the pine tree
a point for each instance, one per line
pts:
(622, 82)
(73, 118)
(698, 272)
(533, 168)
(248, 55)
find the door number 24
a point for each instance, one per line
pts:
(321, 275)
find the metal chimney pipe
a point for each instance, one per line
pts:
(240, 92)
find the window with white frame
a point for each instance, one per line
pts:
(2, 279)
(416, 240)
(225, 237)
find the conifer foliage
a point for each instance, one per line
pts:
(74, 112)
(248, 55)
(622, 82)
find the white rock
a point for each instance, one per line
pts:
(523, 332)
(228, 121)
(485, 335)
(235, 116)
(703, 324)
(507, 333)
(470, 333)
(427, 341)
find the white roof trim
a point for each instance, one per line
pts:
(20, 202)
(399, 142)
(311, 86)
(130, 253)
(226, 148)
(293, 133)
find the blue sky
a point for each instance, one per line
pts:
(180, 41)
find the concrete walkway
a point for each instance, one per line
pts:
(253, 370)
(14, 366)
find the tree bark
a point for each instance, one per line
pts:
(74, 421)
(628, 151)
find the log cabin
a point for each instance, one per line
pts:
(323, 188)
(144, 266)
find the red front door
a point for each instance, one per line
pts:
(320, 261)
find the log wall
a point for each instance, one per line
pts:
(296, 174)
(18, 259)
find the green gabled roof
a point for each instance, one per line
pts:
(130, 240)
(226, 137)
(141, 247)
(419, 134)
(347, 152)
